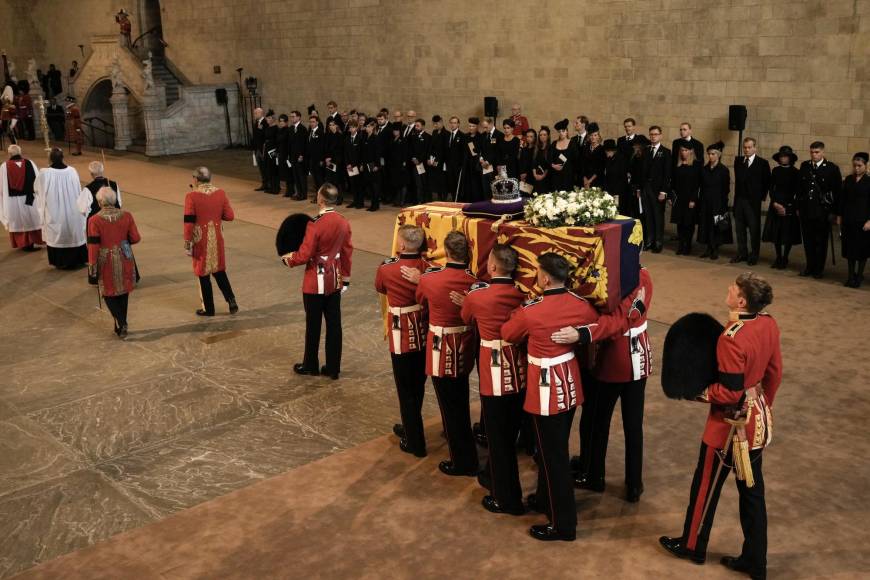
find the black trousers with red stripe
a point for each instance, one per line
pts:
(409, 372)
(706, 487)
(555, 492)
(453, 400)
(502, 417)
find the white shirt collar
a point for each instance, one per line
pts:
(751, 158)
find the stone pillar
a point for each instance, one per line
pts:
(121, 118)
(155, 141)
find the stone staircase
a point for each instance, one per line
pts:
(164, 76)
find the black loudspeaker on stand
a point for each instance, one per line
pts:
(737, 122)
(490, 107)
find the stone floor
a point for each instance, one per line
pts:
(99, 436)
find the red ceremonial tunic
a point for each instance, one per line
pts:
(553, 379)
(326, 252)
(521, 125)
(408, 323)
(624, 353)
(74, 124)
(116, 271)
(748, 353)
(501, 366)
(450, 342)
(204, 209)
(25, 106)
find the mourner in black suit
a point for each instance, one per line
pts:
(686, 135)
(383, 136)
(578, 143)
(332, 114)
(490, 153)
(614, 179)
(314, 152)
(454, 158)
(751, 184)
(333, 157)
(853, 215)
(371, 163)
(257, 141)
(625, 144)
(435, 167)
(419, 147)
(353, 145)
(298, 167)
(270, 156)
(818, 195)
(285, 172)
(654, 194)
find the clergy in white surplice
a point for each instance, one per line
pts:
(17, 211)
(63, 223)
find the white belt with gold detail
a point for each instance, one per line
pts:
(438, 333)
(495, 362)
(321, 273)
(396, 329)
(544, 385)
(634, 348)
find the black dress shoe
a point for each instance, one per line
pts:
(586, 482)
(714, 256)
(447, 468)
(548, 533)
(404, 446)
(372, 209)
(737, 259)
(233, 307)
(677, 547)
(122, 332)
(202, 312)
(325, 372)
(491, 504)
(633, 493)
(735, 564)
(300, 369)
(399, 430)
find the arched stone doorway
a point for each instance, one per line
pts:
(97, 121)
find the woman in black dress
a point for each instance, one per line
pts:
(528, 148)
(541, 171)
(397, 158)
(592, 158)
(854, 219)
(615, 179)
(686, 185)
(509, 149)
(561, 162)
(782, 226)
(713, 229)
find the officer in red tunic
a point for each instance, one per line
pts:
(111, 232)
(407, 336)
(204, 209)
(750, 371)
(502, 371)
(553, 390)
(623, 362)
(326, 253)
(450, 351)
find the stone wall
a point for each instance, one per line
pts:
(802, 67)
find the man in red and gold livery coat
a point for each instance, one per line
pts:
(204, 209)
(111, 232)
(750, 371)
(74, 126)
(553, 390)
(326, 252)
(450, 352)
(502, 370)
(407, 336)
(623, 362)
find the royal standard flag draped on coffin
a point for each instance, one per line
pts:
(606, 257)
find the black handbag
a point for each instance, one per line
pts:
(723, 222)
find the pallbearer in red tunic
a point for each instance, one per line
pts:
(326, 252)
(17, 211)
(204, 209)
(74, 126)
(450, 351)
(111, 233)
(502, 370)
(623, 362)
(553, 390)
(407, 335)
(750, 372)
